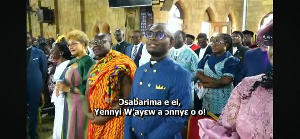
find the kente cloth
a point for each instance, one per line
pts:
(105, 80)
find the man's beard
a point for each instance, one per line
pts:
(178, 45)
(158, 54)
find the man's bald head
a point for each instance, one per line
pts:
(119, 35)
(119, 31)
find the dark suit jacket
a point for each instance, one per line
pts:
(122, 47)
(240, 51)
(208, 51)
(239, 54)
(36, 70)
(254, 63)
(138, 55)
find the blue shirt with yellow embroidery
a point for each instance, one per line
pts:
(165, 80)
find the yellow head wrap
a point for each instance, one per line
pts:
(60, 37)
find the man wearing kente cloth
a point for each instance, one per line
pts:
(109, 80)
(160, 79)
(121, 43)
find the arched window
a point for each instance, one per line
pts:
(229, 19)
(266, 20)
(207, 17)
(205, 26)
(175, 21)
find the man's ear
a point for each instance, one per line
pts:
(171, 44)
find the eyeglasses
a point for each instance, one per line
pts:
(268, 37)
(217, 42)
(117, 32)
(98, 42)
(267, 41)
(158, 35)
(72, 44)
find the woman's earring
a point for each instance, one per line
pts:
(61, 54)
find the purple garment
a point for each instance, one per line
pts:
(246, 115)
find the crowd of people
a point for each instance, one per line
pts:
(229, 75)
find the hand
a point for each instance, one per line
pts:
(99, 120)
(203, 85)
(200, 85)
(57, 92)
(201, 91)
(62, 87)
(91, 115)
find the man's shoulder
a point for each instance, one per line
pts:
(143, 67)
(126, 43)
(36, 50)
(128, 46)
(251, 51)
(177, 69)
(245, 48)
(191, 53)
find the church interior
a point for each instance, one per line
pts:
(104, 16)
(51, 18)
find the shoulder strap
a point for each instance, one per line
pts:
(63, 73)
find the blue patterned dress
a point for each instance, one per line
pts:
(216, 67)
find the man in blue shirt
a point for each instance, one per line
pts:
(161, 79)
(36, 72)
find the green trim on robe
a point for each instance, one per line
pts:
(84, 65)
